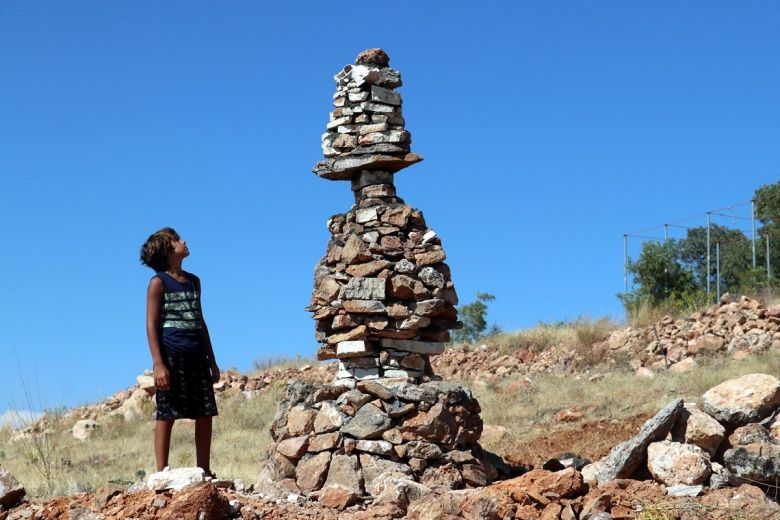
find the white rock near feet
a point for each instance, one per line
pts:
(175, 479)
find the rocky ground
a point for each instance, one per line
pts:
(718, 460)
(539, 494)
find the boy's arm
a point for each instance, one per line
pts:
(153, 301)
(207, 339)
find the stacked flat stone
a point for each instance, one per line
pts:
(339, 445)
(383, 298)
(366, 128)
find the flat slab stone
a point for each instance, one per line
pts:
(626, 457)
(353, 348)
(420, 347)
(345, 168)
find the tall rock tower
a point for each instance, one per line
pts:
(383, 298)
(386, 429)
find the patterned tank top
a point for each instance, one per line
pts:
(180, 317)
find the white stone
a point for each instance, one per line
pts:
(428, 236)
(84, 429)
(673, 463)
(338, 122)
(352, 347)
(175, 479)
(366, 373)
(376, 108)
(681, 490)
(378, 447)
(358, 97)
(644, 372)
(365, 215)
(403, 373)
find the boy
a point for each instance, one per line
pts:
(185, 368)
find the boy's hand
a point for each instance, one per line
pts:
(214, 372)
(161, 379)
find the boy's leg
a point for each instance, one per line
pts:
(203, 442)
(162, 442)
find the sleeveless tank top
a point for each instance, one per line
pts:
(180, 317)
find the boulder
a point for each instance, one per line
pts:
(293, 447)
(311, 471)
(673, 463)
(754, 463)
(11, 492)
(300, 420)
(745, 399)
(436, 425)
(696, 427)
(369, 422)
(627, 456)
(84, 429)
(344, 473)
(750, 434)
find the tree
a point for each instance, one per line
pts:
(660, 274)
(474, 318)
(735, 255)
(767, 199)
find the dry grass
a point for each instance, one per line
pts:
(579, 334)
(527, 412)
(282, 362)
(122, 452)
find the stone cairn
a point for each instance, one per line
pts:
(383, 298)
(387, 428)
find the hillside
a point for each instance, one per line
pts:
(580, 388)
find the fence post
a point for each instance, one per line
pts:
(717, 267)
(753, 218)
(625, 264)
(709, 220)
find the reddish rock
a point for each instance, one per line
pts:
(373, 57)
(368, 268)
(358, 332)
(200, 501)
(337, 497)
(294, 447)
(300, 420)
(436, 425)
(311, 471)
(436, 256)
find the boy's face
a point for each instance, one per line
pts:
(180, 248)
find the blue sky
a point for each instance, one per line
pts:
(549, 129)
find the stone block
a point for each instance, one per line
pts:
(419, 347)
(353, 348)
(383, 95)
(359, 288)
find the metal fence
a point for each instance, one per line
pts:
(728, 212)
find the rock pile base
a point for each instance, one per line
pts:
(733, 440)
(338, 444)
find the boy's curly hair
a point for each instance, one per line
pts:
(157, 248)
